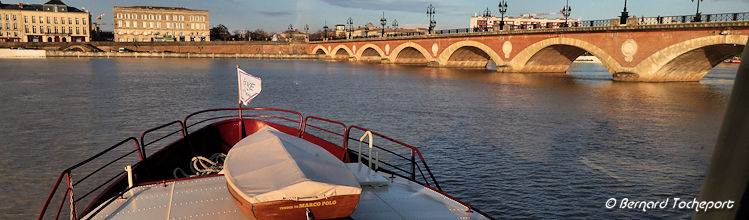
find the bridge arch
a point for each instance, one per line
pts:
(371, 53)
(341, 52)
(468, 53)
(689, 60)
(319, 49)
(556, 55)
(410, 53)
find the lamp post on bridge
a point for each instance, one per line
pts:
(566, 12)
(350, 23)
(698, 15)
(502, 9)
(325, 31)
(430, 14)
(395, 24)
(625, 14)
(306, 31)
(487, 14)
(383, 22)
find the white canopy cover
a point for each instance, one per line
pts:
(270, 165)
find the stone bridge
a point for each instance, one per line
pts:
(650, 53)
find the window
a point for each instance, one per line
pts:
(144, 24)
(14, 17)
(25, 19)
(70, 20)
(119, 23)
(127, 23)
(15, 27)
(33, 29)
(84, 21)
(62, 20)
(26, 28)
(7, 17)
(55, 20)
(84, 31)
(33, 19)
(48, 29)
(127, 16)
(55, 29)
(167, 17)
(150, 25)
(77, 30)
(70, 30)
(135, 24)
(174, 17)
(168, 25)
(119, 15)
(151, 17)
(47, 20)
(41, 29)
(143, 17)
(158, 24)
(63, 30)
(76, 20)
(41, 20)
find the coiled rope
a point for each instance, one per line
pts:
(201, 166)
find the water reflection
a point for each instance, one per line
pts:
(514, 145)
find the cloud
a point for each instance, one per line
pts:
(277, 13)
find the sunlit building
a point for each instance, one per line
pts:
(154, 24)
(52, 21)
(522, 22)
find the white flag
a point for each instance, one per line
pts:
(249, 86)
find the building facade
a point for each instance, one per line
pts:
(522, 23)
(156, 24)
(52, 21)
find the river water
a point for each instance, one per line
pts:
(512, 145)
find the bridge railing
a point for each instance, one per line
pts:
(680, 19)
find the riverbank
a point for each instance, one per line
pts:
(51, 53)
(21, 53)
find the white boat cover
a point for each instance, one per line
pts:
(270, 165)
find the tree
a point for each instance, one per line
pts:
(259, 34)
(220, 32)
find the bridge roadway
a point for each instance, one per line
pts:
(649, 53)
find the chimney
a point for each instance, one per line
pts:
(20, 5)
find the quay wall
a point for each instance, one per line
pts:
(16, 53)
(56, 53)
(210, 47)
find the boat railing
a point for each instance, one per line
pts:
(67, 175)
(221, 115)
(145, 145)
(404, 154)
(327, 132)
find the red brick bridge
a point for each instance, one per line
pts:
(651, 53)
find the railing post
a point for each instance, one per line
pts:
(735, 16)
(413, 166)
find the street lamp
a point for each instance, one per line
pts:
(566, 11)
(306, 30)
(325, 30)
(625, 14)
(430, 14)
(698, 16)
(395, 23)
(502, 9)
(383, 22)
(350, 23)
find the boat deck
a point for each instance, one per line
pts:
(208, 198)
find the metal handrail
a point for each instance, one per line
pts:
(300, 121)
(306, 124)
(414, 151)
(67, 173)
(142, 135)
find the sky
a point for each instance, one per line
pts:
(276, 15)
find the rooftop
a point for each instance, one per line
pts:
(36, 7)
(158, 8)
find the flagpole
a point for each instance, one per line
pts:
(239, 97)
